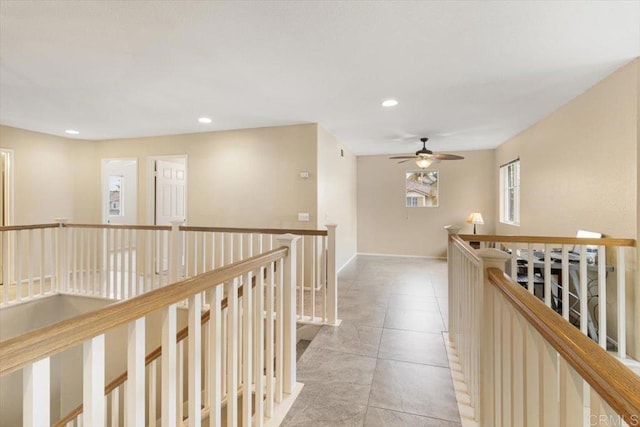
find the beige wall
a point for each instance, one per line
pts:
(244, 178)
(45, 169)
(386, 226)
(578, 165)
(579, 170)
(337, 193)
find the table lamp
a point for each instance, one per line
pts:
(475, 218)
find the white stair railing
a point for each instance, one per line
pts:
(242, 370)
(28, 260)
(520, 362)
(583, 279)
(123, 261)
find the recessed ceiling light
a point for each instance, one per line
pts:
(205, 120)
(389, 103)
(72, 132)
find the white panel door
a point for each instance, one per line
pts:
(171, 179)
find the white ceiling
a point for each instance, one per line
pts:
(470, 74)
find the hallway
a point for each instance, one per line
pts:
(386, 365)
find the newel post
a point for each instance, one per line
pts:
(452, 230)
(489, 258)
(332, 276)
(62, 264)
(289, 311)
(175, 251)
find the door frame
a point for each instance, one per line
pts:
(151, 184)
(103, 191)
(8, 192)
(7, 205)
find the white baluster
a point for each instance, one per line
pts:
(270, 337)
(289, 312)
(18, 259)
(247, 349)
(571, 407)
(169, 392)
(232, 354)
(152, 394)
(549, 381)
(622, 300)
(215, 356)
(530, 268)
(30, 251)
(93, 382)
(584, 295)
(135, 391)
(36, 405)
(258, 347)
(195, 361)
(332, 276)
(5, 266)
(565, 282)
(602, 297)
(279, 330)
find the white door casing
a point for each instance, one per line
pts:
(170, 191)
(126, 211)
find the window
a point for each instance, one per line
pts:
(421, 189)
(115, 195)
(510, 193)
(412, 201)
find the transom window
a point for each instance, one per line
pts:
(510, 193)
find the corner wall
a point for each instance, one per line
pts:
(46, 170)
(387, 226)
(337, 193)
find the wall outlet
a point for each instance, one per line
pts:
(303, 216)
(304, 175)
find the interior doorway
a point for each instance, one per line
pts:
(120, 191)
(6, 204)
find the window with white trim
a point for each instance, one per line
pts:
(510, 193)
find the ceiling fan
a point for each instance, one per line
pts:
(425, 157)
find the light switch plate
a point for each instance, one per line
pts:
(303, 216)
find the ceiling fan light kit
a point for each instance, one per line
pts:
(425, 157)
(423, 162)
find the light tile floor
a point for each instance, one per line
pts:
(386, 365)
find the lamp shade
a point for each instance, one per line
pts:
(423, 162)
(475, 218)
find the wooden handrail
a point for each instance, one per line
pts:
(19, 351)
(612, 380)
(120, 226)
(27, 227)
(299, 232)
(153, 355)
(468, 250)
(604, 241)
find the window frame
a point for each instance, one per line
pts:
(510, 189)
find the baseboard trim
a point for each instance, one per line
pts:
(282, 409)
(347, 263)
(401, 256)
(467, 414)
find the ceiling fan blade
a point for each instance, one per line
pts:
(402, 157)
(404, 161)
(445, 157)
